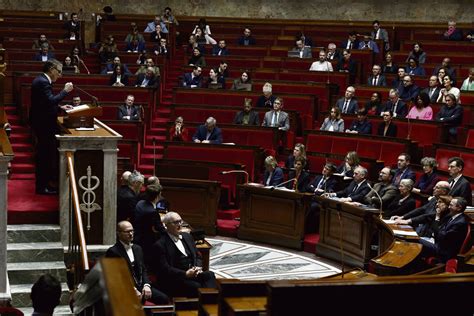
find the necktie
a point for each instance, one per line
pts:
(375, 81)
(431, 92)
(129, 111)
(346, 105)
(321, 183)
(274, 119)
(220, 52)
(451, 185)
(349, 45)
(355, 188)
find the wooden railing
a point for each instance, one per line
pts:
(77, 241)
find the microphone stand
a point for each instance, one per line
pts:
(82, 62)
(279, 185)
(238, 171)
(341, 226)
(380, 199)
(95, 100)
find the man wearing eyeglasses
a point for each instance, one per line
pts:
(177, 263)
(43, 120)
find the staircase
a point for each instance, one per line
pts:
(33, 250)
(156, 132)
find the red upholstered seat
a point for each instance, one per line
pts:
(226, 227)
(310, 242)
(470, 139)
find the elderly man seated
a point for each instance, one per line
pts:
(208, 133)
(177, 263)
(357, 189)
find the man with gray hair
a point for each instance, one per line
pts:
(357, 189)
(385, 189)
(395, 104)
(208, 133)
(147, 79)
(177, 262)
(127, 196)
(333, 53)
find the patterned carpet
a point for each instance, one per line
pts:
(230, 259)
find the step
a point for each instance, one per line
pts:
(163, 111)
(160, 120)
(22, 147)
(149, 150)
(21, 295)
(20, 138)
(22, 176)
(147, 169)
(24, 272)
(33, 233)
(61, 310)
(35, 251)
(158, 139)
(15, 120)
(227, 227)
(158, 131)
(11, 110)
(23, 168)
(19, 129)
(228, 214)
(23, 157)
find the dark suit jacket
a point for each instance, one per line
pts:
(44, 106)
(356, 196)
(452, 116)
(409, 93)
(352, 107)
(462, 188)
(328, 186)
(165, 256)
(215, 51)
(381, 81)
(391, 131)
(387, 194)
(434, 96)
(122, 111)
(126, 202)
(422, 214)
(189, 81)
(242, 39)
(147, 224)
(276, 179)
(152, 83)
(214, 138)
(364, 127)
(355, 44)
(449, 236)
(408, 174)
(351, 67)
(401, 109)
(400, 209)
(290, 163)
(303, 181)
(38, 56)
(123, 79)
(138, 271)
(253, 118)
(264, 102)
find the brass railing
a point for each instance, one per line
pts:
(79, 259)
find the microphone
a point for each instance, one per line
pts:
(279, 185)
(95, 100)
(380, 199)
(237, 171)
(82, 62)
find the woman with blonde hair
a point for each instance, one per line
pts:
(334, 122)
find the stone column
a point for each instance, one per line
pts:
(110, 200)
(4, 160)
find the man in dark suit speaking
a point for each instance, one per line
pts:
(43, 120)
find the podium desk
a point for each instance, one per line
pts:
(95, 167)
(346, 232)
(272, 216)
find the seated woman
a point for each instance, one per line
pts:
(298, 151)
(334, 122)
(273, 175)
(157, 35)
(197, 59)
(108, 49)
(449, 88)
(387, 127)
(119, 77)
(300, 176)
(429, 178)
(134, 42)
(244, 83)
(178, 133)
(414, 69)
(374, 106)
(388, 67)
(404, 203)
(69, 66)
(417, 53)
(202, 30)
(422, 109)
(215, 81)
(351, 162)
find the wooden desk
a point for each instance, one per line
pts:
(272, 216)
(246, 305)
(204, 248)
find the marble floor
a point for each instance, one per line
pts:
(247, 261)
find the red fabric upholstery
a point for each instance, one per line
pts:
(451, 266)
(470, 139)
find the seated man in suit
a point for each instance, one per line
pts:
(348, 104)
(403, 171)
(356, 190)
(376, 79)
(127, 195)
(247, 39)
(394, 104)
(273, 175)
(433, 89)
(386, 190)
(208, 133)
(362, 125)
(129, 111)
(220, 49)
(369, 44)
(326, 182)
(266, 100)
(193, 79)
(247, 116)
(147, 79)
(409, 91)
(276, 117)
(44, 54)
(302, 50)
(459, 186)
(133, 255)
(449, 233)
(177, 263)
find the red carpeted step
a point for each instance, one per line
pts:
(19, 129)
(149, 149)
(310, 242)
(27, 207)
(22, 176)
(228, 214)
(227, 227)
(23, 168)
(160, 120)
(20, 138)
(22, 147)
(157, 131)
(146, 168)
(23, 158)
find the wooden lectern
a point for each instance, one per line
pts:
(82, 116)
